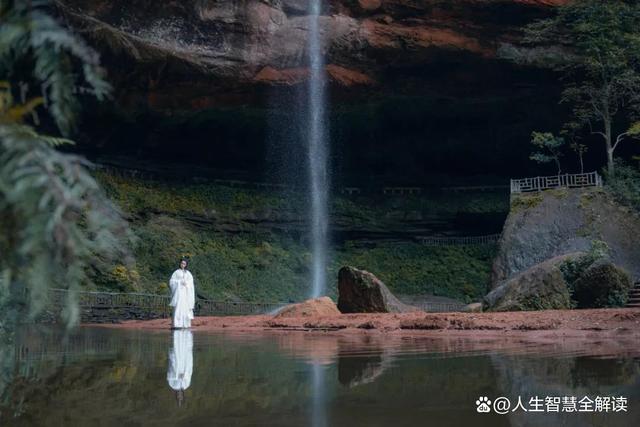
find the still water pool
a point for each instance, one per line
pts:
(111, 377)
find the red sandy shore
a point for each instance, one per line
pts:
(602, 323)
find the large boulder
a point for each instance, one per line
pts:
(323, 306)
(540, 287)
(544, 225)
(362, 292)
(603, 284)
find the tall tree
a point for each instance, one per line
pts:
(595, 46)
(56, 223)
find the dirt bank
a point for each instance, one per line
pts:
(624, 323)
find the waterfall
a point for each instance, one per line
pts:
(317, 151)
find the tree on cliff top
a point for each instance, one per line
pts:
(56, 224)
(595, 45)
(548, 146)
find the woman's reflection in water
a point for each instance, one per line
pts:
(180, 363)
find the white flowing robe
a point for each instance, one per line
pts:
(182, 298)
(180, 360)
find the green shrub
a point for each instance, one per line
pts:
(572, 269)
(625, 185)
(252, 265)
(522, 202)
(460, 272)
(602, 285)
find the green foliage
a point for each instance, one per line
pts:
(29, 35)
(593, 281)
(602, 285)
(572, 268)
(460, 272)
(549, 146)
(625, 185)
(55, 220)
(139, 196)
(556, 301)
(253, 265)
(57, 227)
(595, 45)
(580, 150)
(523, 202)
(248, 267)
(120, 278)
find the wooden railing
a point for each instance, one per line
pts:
(540, 183)
(440, 307)
(474, 188)
(458, 241)
(148, 174)
(401, 191)
(158, 303)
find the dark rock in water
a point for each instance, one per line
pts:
(540, 287)
(362, 292)
(603, 284)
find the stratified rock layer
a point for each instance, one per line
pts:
(362, 292)
(196, 54)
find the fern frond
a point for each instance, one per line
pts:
(57, 210)
(28, 32)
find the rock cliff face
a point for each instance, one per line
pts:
(558, 222)
(195, 54)
(224, 78)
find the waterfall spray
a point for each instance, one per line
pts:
(317, 152)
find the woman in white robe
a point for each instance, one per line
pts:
(180, 363)
(182, 296)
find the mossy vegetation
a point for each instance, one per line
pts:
(624, 186)
(236, 258)
(524, 201)
(558, 301)
(559, 193)
(594, 281)
(460, 272)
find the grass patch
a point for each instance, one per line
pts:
(522, 202)
(460, 272)
(253, 265)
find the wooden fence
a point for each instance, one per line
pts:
(458, 241)
(163, 175)
(540, 183)
(158, 304)
(440, 307)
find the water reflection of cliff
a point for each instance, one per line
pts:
(98, 376)
(579, 376)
